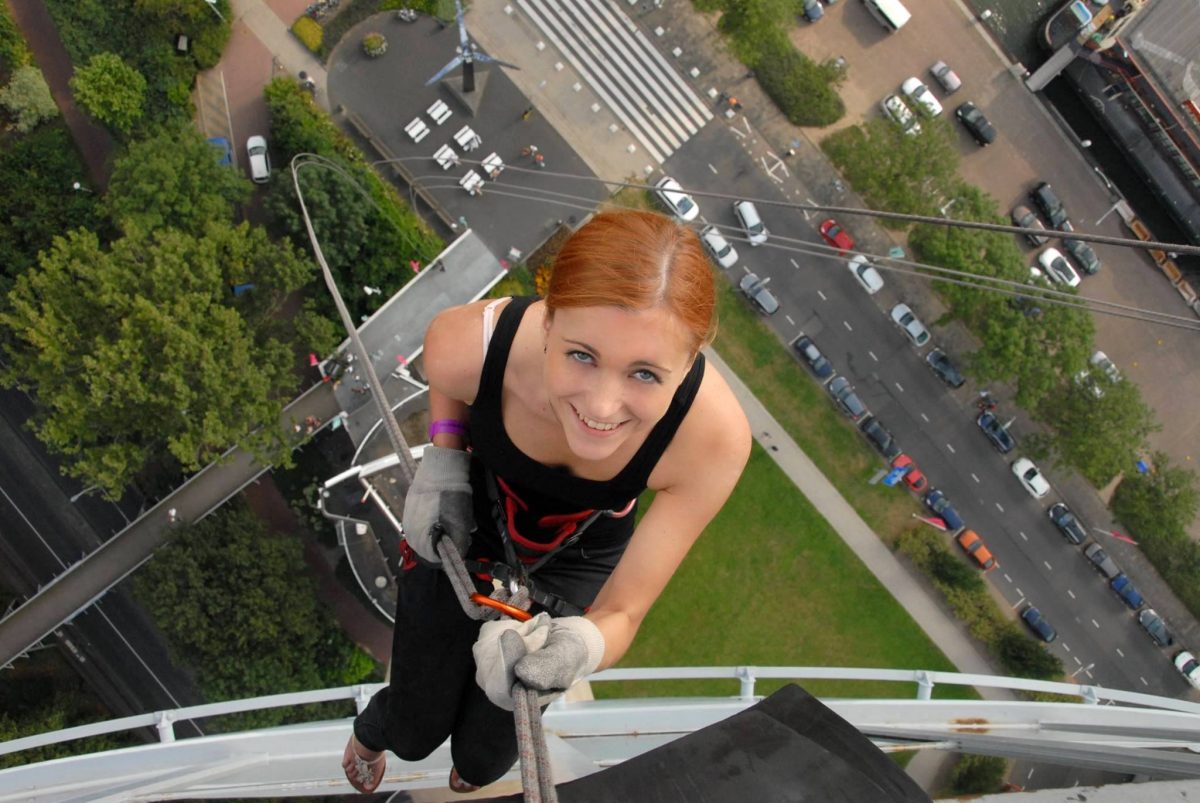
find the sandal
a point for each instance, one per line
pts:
(364, 775)
(457, 784)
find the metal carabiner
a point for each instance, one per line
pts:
(503, 607)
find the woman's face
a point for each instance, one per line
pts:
(610, 373)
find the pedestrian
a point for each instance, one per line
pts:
(539, 160)
(576, 404)
(525, 115)
(172, 516)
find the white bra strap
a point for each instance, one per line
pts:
(489, 322)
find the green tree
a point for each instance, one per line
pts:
(27, 98)
(236, 603)
(173, 179)
(112, 91)
(1165, 500)
(157, 359)
(806, 92)
(342, 215)
(977, 775)
(1025, 658)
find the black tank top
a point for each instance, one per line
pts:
(548, 491)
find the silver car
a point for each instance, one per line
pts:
(866, 274)
(752, 224)
(945, 76)
(911, 324)
(722, 250)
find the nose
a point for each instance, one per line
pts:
(605, 401)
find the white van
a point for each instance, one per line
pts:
(891, 14)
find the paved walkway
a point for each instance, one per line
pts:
(94, 142)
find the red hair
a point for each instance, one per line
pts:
(637, 261)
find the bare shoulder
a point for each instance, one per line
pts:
(714, 435)
(453, 355)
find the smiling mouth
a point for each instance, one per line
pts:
(591, 423)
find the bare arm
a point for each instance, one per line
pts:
(703, 472)
(453, 361)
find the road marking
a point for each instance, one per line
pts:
(1030, 775)
(846, 324)
(899, 387)
(1087, 672)
(1020, 593)
(1097, 624)
(998, 507)
(1046, 563)
(925, 418)
(977, 480)
(713, 169)
(1143, 680)
(795, 264)
(1065, 647)
(1070, 593)
(1017, 604)
(737, 132)
(872, 355)
(822, 295)
(951, 448)
(1007, 579)
(1077, 661)
(789, 320)
(1120, 653)
(1023, 535)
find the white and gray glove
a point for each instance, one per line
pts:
(550, 656)
(440, 494)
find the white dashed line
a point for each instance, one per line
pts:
(789, 320)
(1007, 579)
(1017, 604)
(1023, 535)
(1030, 775)
(925, 418)
(846, 324)
(899, 387)
(822, 295)
(1046, 563)
(1077, 661)
(998, 507)
(1020, 593)
(1097, 624)
(1120, 653)
(951, 448)
(974, 477)
(795, 264)
(710, 167)
(872, 355)
(1143, 680)
(1070, 593)
(1065, 647)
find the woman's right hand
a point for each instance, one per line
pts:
(440, 494)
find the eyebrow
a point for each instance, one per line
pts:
(636, 363)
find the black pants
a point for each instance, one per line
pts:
(433, 695)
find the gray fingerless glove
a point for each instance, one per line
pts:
(440, 494)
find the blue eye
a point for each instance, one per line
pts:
(581, 356)
(646, 376)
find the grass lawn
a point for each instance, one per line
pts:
(770, 582)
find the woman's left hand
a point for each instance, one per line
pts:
(548, 655)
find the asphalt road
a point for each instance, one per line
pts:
(1099, 639)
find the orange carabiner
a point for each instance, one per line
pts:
(503, 607)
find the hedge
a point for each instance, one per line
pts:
(309, 32)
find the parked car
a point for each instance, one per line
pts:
(721, 249)
(973, 545)
(913, 478)
(944, 368)
(996, 433)
(1057, 267)
(835, 235)
(813, 10)
(675, 199)
(752, 224)
(1084, 379)
(260, 160)
(1051, 208)
(898, 112)
(945, 76)
(920, 98)
(879, 437)
(1100, 559)
(1154, 624)
(1100, 361)
(1126, 591)
(1038, 624)
(866, 274)
(976, 124)
(817, 363)
(1189, 667)
(224, 150)
(1031, 478)
(937, 501)
(843, 393)
(1027, 219)
(755, 289)
(911, 324)
(1067, 523)
(1082, 253)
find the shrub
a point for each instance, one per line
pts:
(978, 775)
(374, 45)
(14, 52)
(309, 32)
(27, 98)
(112, 91)
(805, 92)
(1024, 657)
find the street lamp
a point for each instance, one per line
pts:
(213, 5)
(79, 187)
(85, 491)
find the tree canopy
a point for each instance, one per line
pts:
(140, 351)
(112, 91)
(173, 178)
(27, 98)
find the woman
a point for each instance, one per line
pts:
(575, 404)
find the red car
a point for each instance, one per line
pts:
(913, 478)
(836, 236)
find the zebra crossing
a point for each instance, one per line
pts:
(621, 65)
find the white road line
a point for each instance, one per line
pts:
(1120, 653)
(951, 448)
(925, 418)
(1017, 604)
(1097, 624)
(795, 264)
(1065, 647)
(846, 324)
(736, 132)
(1077, 661)
(713, 169)
(1143, 680)
(974, 477)
(1020, 593)
(999, 507)
(32, 528)
(1023, 535)
(899, 387)
(1087, 672)
(1030, 775)
(1007, 579)
(822, 295)
(1070, 593)
(789, 320)
(1046, 563)
(872, 355)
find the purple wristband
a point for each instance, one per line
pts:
(447, 425)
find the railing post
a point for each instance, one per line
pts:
(1088, 693)
(166, 727)
(746, 673)
(361, 698)
(924, 686)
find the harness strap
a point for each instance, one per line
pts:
(557, 606)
